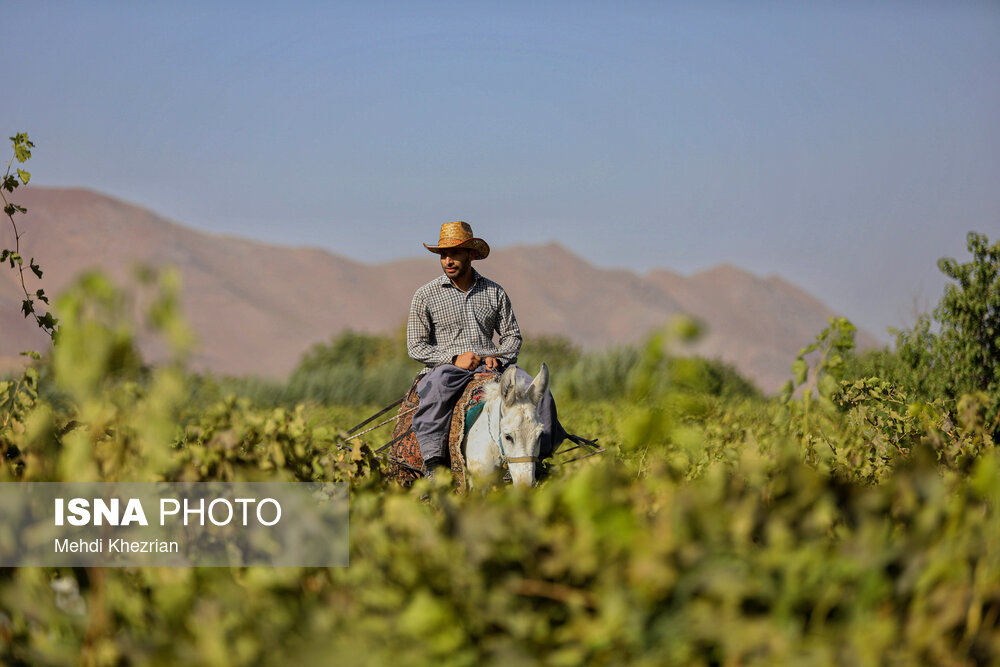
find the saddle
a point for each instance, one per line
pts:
(405, 459)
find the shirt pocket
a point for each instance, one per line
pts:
(486, 317)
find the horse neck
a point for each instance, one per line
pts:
(482, 446)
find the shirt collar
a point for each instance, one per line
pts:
(445, 281)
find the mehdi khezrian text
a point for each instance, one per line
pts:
(116, 545)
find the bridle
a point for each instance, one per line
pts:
(498, 438)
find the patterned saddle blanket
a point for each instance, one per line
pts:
(404, 455)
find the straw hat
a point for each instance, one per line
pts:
(459, 235)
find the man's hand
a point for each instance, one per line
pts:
(492, 363)
(468, 360)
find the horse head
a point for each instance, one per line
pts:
(520, 429)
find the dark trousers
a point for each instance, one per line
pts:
(441, 388)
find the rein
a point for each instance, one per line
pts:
(383, 423)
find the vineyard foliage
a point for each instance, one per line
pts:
(846, 522)
(956, 350)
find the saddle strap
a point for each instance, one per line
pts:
(523, 459)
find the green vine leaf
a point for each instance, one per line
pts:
(22, 152)
(800, 370)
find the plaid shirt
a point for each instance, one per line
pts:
(444, 322)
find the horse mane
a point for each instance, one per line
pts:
(491, 391)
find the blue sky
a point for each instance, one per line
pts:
(844, 145)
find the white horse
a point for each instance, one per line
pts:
(507, 431)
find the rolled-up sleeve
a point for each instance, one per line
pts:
(419, 334)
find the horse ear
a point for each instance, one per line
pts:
(508, 386)
(539, 386)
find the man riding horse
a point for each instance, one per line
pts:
(450, 330)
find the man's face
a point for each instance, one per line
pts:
(456, 262)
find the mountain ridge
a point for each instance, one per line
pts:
(257, 307)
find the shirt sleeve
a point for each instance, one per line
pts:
(418, 335)
(509, 342)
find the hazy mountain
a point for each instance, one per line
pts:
(258, 307)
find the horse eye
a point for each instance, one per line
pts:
(507, 437)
